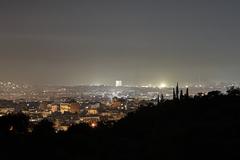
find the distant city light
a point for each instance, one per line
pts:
(93, 125)
(118, 83)
(163, 85)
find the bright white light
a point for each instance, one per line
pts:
(163, 85)
(118, 83)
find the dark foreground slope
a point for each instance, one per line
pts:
(200, 128)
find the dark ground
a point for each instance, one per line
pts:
(205, 127)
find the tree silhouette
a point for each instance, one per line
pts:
(15, 123)
(81, 128)
(214, 93)
(181, 95)
(187, 93)
(5, 124)
(162, 98)
(232, 91)
(44, 128)
(201, 126)
(174, 94)
(177, 91)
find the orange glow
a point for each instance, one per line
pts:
(93, 125)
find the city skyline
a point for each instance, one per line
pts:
(120, 83)
(138, 42)
(116, 79)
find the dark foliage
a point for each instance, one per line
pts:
(233, 91)
(204, 127)
(44, 128)
(17, 124)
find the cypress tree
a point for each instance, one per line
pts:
(181, 95)
(162, 98)
(174, 94)
(187, 93)
(177, 92)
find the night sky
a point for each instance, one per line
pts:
(75, 42)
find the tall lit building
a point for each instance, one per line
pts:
(118, 83)
(65, 107)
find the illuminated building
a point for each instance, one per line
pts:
(118, 83)
(6, 110)
(75, 108)
(92, 111)
(90, 119)
(70, 107)
(65, 107)
(117, 102)
(54, 108)
(45, 114)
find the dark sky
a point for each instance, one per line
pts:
(140, 42)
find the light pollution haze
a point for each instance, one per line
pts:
(75, 42)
